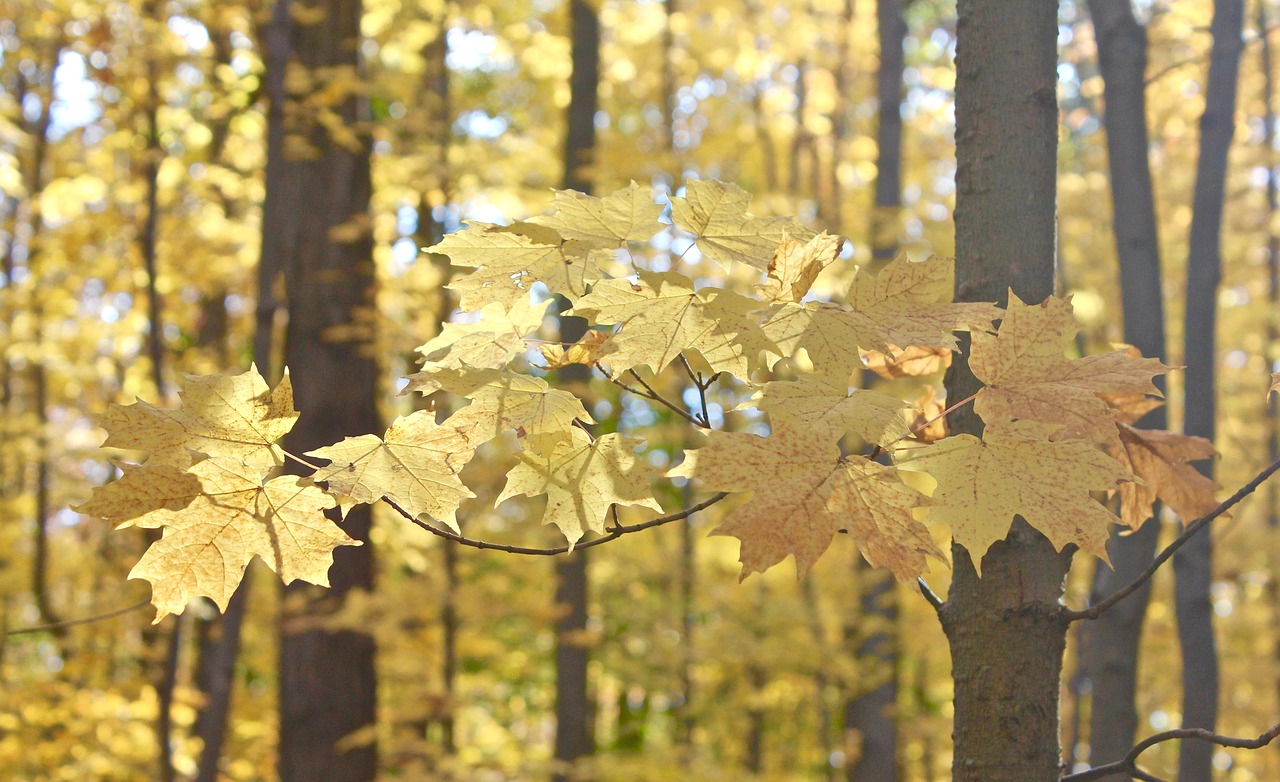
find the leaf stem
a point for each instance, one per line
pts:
(652, 395)
(301, 461)
(84, 620)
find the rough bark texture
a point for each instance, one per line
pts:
(1109, 655)
(574, 737)
(1005, 632)
(327, 680)
(1193, 564)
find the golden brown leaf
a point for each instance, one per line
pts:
(1161, 459)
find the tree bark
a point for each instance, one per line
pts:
(892, 32)
(1193, 564)
(1005, 632)
(871, 713)
(574, 735)
(327, 679)
(1109, 654)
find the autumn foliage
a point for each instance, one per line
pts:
(819, 456)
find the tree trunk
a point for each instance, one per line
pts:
(870, 713)
(1109, 654)
(1005, 631)
(574, 739)
(1192, 565)
(327, 679)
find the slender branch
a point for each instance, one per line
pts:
(702, 387)
(1095, 611)
(613, 534)
(84, 620)
(1129, 763)
(651, 394)
(929, 594)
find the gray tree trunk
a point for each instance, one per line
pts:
(1193, 564)
(1109, 654)
(327, 679)
(574, 715)
(1005, 632)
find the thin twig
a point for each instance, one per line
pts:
(929, 594)
(1095, 611)
(650, 393)
(702, 387)
(612, 535)
(1129, 763)
(84, 620)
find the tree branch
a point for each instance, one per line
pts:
(1095, 611)
(653, 395)
(929, 594)
(1128, 765)
(613, 534)
(84, 620)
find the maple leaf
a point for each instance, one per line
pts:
(1017, 470)
(1160, 459)
(626, 215)
(502, 400)
(221, 415)
(908, 304)
(716, 214)
(1275, 384)
(584, 351)
(826, 405)
(141, 490)
(662, 315)
(207, 545)
(415, 465)
(1027, 375)
(804, 492)
(509, 259)
(796, 265)
(582, 479)
(909, 362)
(490, 342)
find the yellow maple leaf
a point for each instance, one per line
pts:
(509, 259)
(582, 479)
(716, 214)
(1017, 470)
(221, 415)
(584, 351)
(804, 492)
(662, 315)
(1160, 459)
(502, 401)
(825, 405)
(141, 490)
(1028, 375)
(415, 465)
(909, 362)
(492, 341)
(796, 265)
(626, 215)
(907, 304)
(207, 545)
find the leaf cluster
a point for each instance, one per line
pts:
(1057, 430)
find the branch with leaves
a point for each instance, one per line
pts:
(213, 474)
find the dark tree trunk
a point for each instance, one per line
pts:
(1193, 564)
(327, 679)
(1005, 632)
(870, 713)
(574, 735)
(1109, 654)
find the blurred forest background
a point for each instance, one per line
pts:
(134, 154)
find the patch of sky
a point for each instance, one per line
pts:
(192, 33)
(476, 50)
(479, 124)
(404, 252)
(75, 96)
